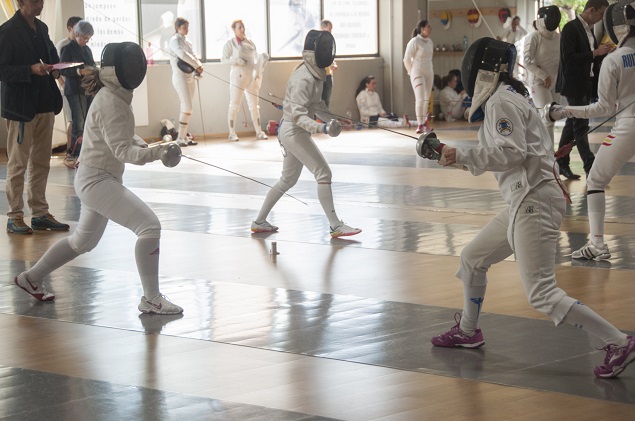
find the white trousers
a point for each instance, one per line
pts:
(543, 96)
(243, 81)
(422, 86)
(184, 85)
(535, 234)
(616, 150)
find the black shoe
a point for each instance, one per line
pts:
(191, 143)
(566, 171)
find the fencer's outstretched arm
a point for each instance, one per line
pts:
(114, 127)
(298, 92)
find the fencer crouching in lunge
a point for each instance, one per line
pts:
(616, 89)
(542, 59)
(303, 99)
(185, 68)
(514, 144)
(109, 143)
(245, 77)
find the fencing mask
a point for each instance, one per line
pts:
(550, 16)
(618, 20)
(482, 64)
(323, 43)
(128, 60)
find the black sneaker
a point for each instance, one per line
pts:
(566, 171)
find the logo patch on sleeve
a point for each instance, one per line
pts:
(504, 126)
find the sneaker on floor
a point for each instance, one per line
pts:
(264, 227)
(192, 143)
(419, 129)
(455, 338)
(159, 305)
(182, 143)
(233, 137)
(616, 359)
(48, 222)
(17, 226)
(71, 162)
(406, 122)
(36, 289)
(591, 252)
(427, 127)
(343, 230)
(262, 136)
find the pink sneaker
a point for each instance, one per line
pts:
(616, 359)
(455, 338)
(419, 129)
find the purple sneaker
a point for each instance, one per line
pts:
(455, 338)
(616, 360)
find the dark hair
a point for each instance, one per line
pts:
(516, 17)
(597, 4)
(421, 24)
(325, 23)
(515, 83)
(446, 79)
(234, 23)
(72, 21)
(363, 83)
(179, 22)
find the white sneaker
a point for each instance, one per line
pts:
(591, 252)
(264, 227)
(233, 137)
(343, 230)
(159, 305)
(261, 136)
(182, 143)
(36, 289)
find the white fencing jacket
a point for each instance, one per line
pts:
(181, 47)
(303, 97)
(369, 104)
(109, 139)
(418, 56)
(233, 51)
(542, 56)
(514, 143)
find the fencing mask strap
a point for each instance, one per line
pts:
(129, 62)
(482, 64)
(618, 19)
(323, 43)
(550, 16)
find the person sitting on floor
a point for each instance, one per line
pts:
(370, 110)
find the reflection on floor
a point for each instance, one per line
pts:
(327, 328)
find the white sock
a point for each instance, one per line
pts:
(272, 198)
(55, 257)
(147, 257)
(472, 302)
(325, 196)
(184, 119)
(596, 203)
(586, 319)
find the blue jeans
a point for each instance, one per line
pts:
(79, 110)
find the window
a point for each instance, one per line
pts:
(290, 20)
(354, 25)
(113, 22)
(218, 20)
(157, 23)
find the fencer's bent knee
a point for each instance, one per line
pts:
(323, 175)
(150, 228)
(472, 270)
(81, 243)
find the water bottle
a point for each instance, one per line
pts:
(464, 42)
(149, 54)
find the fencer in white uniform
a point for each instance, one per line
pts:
(303, 99)
(542, 58)
(183, 76)
(513, 143)
(245, 76)
(418, 63)
(616, 90)
(110, 143)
